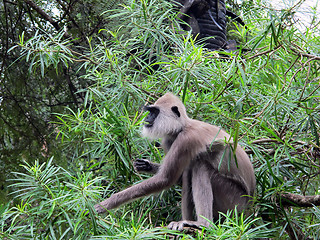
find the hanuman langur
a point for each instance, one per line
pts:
(216, 175)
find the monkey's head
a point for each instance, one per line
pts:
(166, 117)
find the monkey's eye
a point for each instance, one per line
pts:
(175, 110)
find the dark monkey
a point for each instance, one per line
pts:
(189, 11)
(207, 20)
(213, 180)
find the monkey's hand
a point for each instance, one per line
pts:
(186, 223)
(104, 205)
(142, 165)
(145, 166)
(99, 208)
(110, 203)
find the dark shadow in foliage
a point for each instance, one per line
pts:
(207, 20)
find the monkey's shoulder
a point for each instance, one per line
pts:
(196, 137)
(205, 132)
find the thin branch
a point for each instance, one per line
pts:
(265, 140)
(45, 16)
(303, 54)
(271, 51)
(290, 199)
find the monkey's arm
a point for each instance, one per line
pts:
(185, 8)
(199, 7)
(176, 160)
(189, 11)
(146, 166)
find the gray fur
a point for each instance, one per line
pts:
(214, 178)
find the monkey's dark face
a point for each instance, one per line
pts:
(162, 120)
(151, 117)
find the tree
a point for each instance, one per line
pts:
(30, 97)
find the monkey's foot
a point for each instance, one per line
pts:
(184, 223)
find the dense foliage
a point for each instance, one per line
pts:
(72, 98)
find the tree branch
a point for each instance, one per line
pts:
(290, 199)
(43, 14)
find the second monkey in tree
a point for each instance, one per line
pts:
(216, 176)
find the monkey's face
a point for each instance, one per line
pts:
(151, 117)
(162, 121)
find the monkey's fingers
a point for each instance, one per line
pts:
(142, 165)
(184, 223)
(176, 226)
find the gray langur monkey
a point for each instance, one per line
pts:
(216, 176)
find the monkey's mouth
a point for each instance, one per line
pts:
(148, 124)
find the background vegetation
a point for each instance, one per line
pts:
(74, 78)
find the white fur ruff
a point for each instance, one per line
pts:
(163, 126)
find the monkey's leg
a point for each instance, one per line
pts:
(146, 166)
(227, 195)
(203, 193)
(202, 198)
(187, 206)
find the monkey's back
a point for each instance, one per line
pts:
(212, 141)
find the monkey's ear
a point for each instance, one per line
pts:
(175, 110)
